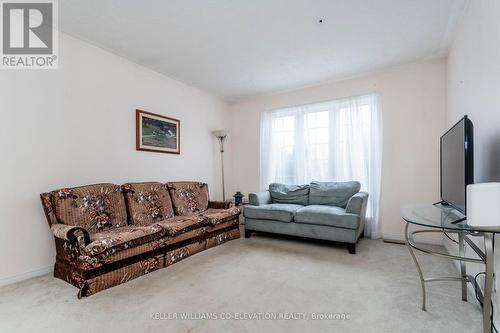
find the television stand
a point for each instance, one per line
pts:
(443, 219)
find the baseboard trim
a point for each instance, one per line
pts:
(24, 276)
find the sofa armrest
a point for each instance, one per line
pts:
(219, 204)
(259, 198)
(71, 233)
(357, 204)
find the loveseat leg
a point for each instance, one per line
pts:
(351, 248)
(248, 233)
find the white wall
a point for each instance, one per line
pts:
(474, 89)
(413, 108)
(76, 125)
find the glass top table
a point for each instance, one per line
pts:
(439, 216)
(438, 219)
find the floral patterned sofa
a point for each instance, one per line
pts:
(107, 234)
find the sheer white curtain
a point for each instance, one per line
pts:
(338, 140)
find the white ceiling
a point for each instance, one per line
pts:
(240, 48)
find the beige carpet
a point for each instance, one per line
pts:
(378, 288)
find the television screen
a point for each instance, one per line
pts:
(457, 164)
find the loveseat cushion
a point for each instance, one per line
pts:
(327, 215)
(332, 193)
(94, 207)
(147, 202)
(278, 212)
(188, 198)
(217, 216)
(289, 194)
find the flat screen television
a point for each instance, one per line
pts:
(457, 164)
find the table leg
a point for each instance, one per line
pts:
(488, 249)
(422, 281)
(463, 273)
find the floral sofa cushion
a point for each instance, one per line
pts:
(108, 243)
(147, 202)
(158, 244)
(217, 216)
(94, 207)
(188, 198)
(180, 224)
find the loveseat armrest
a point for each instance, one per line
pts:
(219, 204)
(357, 204)
(259, 198)
(71, 233)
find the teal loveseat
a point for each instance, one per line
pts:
(331, 211)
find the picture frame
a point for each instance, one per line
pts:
(157, 133)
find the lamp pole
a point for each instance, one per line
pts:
(221, 135)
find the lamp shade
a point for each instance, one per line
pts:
(220, 133)
(483, 205)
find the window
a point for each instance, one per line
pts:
(338, 140)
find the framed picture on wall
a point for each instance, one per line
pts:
(157, 133)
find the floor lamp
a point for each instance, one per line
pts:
(221, 135)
